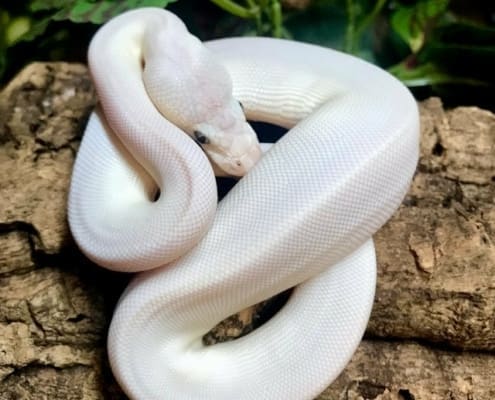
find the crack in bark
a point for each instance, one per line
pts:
(405, 394)
(34, 319)
(36, 366)
(48, 148)
(32, 235)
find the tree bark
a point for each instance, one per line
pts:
(436, 279)
(436, 261)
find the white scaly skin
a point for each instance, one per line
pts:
(303, 216)
(177, 63)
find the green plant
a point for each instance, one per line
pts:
(267, 14)
(425, 29)
(27, 21)
(423, 43)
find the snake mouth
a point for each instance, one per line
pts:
(239, 166)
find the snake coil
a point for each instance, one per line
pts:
(303, 216)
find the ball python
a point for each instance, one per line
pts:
(302, 217)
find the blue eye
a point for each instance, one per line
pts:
(201, 138)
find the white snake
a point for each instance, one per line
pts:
(304, 215)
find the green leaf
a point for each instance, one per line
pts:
(413, 22)
(403, 24)
(462, 50)
(44, 5)
(433, 8)
(236, 9)
(16, 28)
(36, 29)
(98, 12)
(430, 74)
(360, 16)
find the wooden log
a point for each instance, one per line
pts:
(403, 370)
(436, 280)
(436, 275)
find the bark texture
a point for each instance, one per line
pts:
(432, 330)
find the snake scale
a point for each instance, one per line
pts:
(302, 216)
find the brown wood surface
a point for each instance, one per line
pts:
(432, 330)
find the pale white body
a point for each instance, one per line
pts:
(303, 216)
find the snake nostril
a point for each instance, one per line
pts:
(238, 163)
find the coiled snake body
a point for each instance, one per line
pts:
(304, 215)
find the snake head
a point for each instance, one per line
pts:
(229, 141)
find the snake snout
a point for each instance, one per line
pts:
(250, 159)
(239, 166)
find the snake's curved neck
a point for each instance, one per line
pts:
(173, 160)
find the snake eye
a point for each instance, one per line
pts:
(241, 105)
(201, 138)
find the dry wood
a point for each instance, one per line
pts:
(436, 280)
